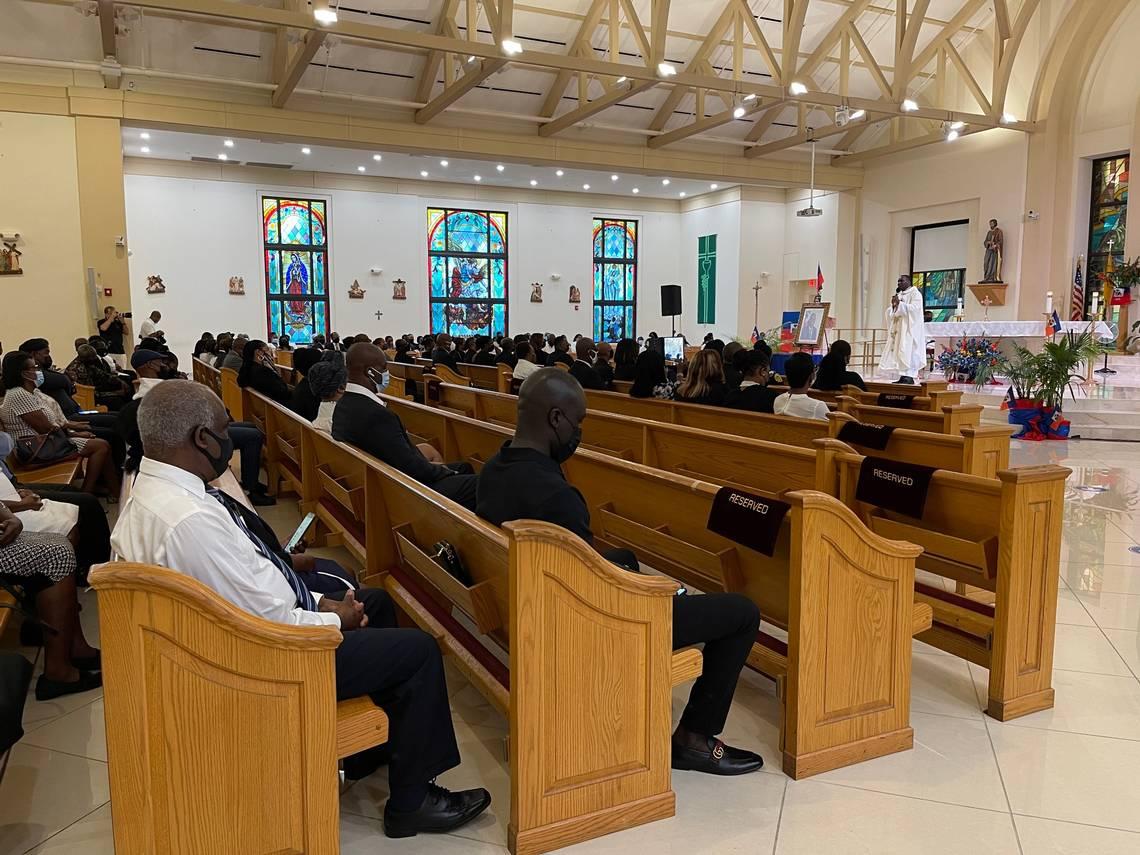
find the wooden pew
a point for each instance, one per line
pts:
(575, 627)
(938, 391)
(285, 372)
(484, 376)
(1002, 535)
(207, 374)
(405, 372)
(949, 420)
(446, 375)
(231, 394)
(285, 358)
(837, 712)
(979, 450)
(210, 707)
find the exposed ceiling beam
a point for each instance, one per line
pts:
(472, 78)
(849, 139)
(700, 125)
(895, 147)
(817, 56)
(106, 10)
(581, 42)
(951, 29)
(807, 136)
(969, 79)
(658, 30)
(634, 24)
(1001, 19)
(1005, 69)
(444, 26)
(614, 96)
(758, 39)
(901, 77)
(869, 59)
(763, 122)
(504, 21)
(695, 62)
(296, 67)
(794, 12)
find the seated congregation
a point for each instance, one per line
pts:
(557, 517)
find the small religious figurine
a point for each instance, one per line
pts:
(399, 289)
(355, 292)
(10, 258)
(995, 247)
(536, 292)
(237, 285)
(154, 285)
(575, 294)
(987, 302)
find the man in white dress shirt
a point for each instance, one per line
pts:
(149, 326)
(172, 520)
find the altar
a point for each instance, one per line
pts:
(1011, 329)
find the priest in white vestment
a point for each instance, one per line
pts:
(906, 337)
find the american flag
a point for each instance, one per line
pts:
(1077, 304)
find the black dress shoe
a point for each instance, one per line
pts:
(261, 499)
(906, 380)
(716, 758)
(89, 663)
(441, 811)
(48, 689)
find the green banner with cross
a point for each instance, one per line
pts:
(706, 279)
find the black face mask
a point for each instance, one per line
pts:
(565, 449)
(167, 373)
(219, 463)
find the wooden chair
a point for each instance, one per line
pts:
(223, 730)
(836, 712)
(574, 625)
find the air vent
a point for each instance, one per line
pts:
(269, 165)
(215, 160)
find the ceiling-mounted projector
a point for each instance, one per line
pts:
(809, 211)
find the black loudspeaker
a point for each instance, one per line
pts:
(670, 300)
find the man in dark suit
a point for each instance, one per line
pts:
(603, 364)
(561, 352)
(362, 420)
(582, 370)
(753, 393)
(443, 354)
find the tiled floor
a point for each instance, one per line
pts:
(1060, 782)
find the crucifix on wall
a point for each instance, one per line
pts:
(379, 314)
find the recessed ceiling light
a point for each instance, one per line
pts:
(797, 88)
(533, 183)
(585, 186)
(665, 181)
(306, 150)
(635, 190)
(500, 167)
(360, 169)
(423, 173)
(324, 16)
(559, 173)
(909, 105)
(228, 143)
(443, 163)
(223, 157)
(511, 47)
(377, 157)
(665, 69)
(144, 136)
(682, 194)
(613, 178)
(145, 149)
(713, 186)
(478, 177)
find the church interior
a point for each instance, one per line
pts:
(835, 295)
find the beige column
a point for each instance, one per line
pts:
(102, 210)
(1132, 239)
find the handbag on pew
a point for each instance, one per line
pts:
(44, 448)
(447, 557)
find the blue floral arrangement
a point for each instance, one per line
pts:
(963, 359)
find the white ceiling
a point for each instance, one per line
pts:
(176, 145)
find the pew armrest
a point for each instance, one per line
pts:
(687, 665)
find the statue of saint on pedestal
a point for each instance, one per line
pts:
(995, 247)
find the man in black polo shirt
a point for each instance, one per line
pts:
(525, 481)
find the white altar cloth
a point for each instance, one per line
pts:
(1010, 329)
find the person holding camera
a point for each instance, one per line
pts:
(111, 328)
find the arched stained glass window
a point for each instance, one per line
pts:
(295, 242)
(615, 279)
(467, 272)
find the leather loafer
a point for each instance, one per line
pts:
(47, 689)
(716, 759)
(441, 811)
(89, 663)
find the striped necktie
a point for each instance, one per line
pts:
(305, 599)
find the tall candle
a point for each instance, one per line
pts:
(1049, 302)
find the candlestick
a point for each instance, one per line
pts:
(1048, 302)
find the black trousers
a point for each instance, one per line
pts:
(727, 625)
(402, 671)
(103, 426)
(458, 488)
(94, 545)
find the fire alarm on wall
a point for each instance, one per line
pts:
(106, 292)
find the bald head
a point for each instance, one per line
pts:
(551, 408)
(366, 364)
(584, 348)
(605, 351)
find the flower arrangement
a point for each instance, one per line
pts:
(963, 359)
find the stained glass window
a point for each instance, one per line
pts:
(940, 291)
(295, 242)
(467, 272)
(1107, 222)
(615, 279)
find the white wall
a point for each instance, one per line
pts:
(197, 233)
(722, 220)
(810, 242)
(762, 226)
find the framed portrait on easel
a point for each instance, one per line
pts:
(812, 325)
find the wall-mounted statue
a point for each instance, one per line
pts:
(995, 248)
